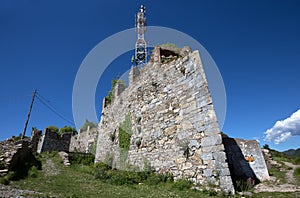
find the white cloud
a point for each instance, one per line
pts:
(284, 129)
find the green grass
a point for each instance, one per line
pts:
(277, 195)
(297, 175)
(80, 181)
(278, 174)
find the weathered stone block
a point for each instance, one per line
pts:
(211, 140)
(171, 130)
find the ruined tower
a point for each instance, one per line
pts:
(165, 118)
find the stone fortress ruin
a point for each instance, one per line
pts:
(164, 120)
(168, 118)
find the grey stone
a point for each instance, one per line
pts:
(211, 140)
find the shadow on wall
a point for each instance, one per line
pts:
(23, 160)
(239, 167)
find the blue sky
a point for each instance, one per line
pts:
(254, 43)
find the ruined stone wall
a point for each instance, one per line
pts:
(83, 141)
(51, 141)
(246, 159)
(35, 138)
(174, 121)
(16, 156)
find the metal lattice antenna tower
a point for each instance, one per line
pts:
(140, 45)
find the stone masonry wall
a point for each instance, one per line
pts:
(52, 141)
(246, 159)
(173, 117)
(83, 141)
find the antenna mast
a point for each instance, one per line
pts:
(140, 45)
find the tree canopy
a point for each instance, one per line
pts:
(53, 128)
(66, 129)
(86, 124)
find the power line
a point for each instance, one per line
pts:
(45, 102)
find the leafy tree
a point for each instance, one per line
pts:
(86, 124)
(53, 128)
(67, 129)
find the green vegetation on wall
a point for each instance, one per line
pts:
(86, 124)
(64, 129)
(53, 128)
(67, 129)
(110, 97)
(94, 146)
(125, 132)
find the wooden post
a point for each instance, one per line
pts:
(28, 116)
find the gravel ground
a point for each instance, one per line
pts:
(10, 192)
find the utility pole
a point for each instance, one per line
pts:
(28, 116)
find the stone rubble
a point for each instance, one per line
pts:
(65, 158)
(9, 192)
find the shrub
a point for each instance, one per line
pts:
(86, 124)
(266, 146)
(110, 97)
(182, 184)
(210, 192)
(108, 160)
(53, 128)
(153, 179)
(2, 165)
(297, 171)
(101, 171)
(66, 129)
(297, 160)
(243, 185)
(102, 166)
(82, 158)
(4, 181)
(33, 172)
(119, 177)
(101, 174)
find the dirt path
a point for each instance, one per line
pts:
(290, 173)
(50, 169)
(8, 192)
(290, 186)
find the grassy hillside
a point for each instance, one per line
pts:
(293, 152)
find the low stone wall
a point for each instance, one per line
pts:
(51, 141)
(83, 141)
(16, 156)
(245, 159)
